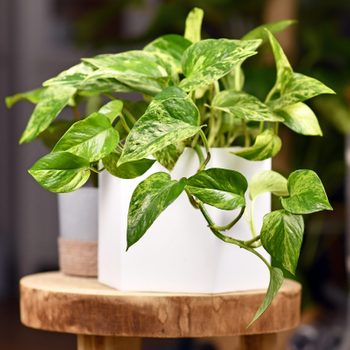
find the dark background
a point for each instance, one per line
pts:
(39, 38)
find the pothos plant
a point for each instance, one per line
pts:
(191, 95)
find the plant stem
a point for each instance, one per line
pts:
(205, 143)
(124, 123)
(199, 154)
(232, 223)
(251, 219)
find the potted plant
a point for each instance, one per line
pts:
(188, 163)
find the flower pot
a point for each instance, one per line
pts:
(78, 231)
(178, 253)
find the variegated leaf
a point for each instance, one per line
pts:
(139, 70)
(171, 117)
(296, 88)
(92, 138)
(276, 281)
(32, 96)
(193, 25)
(148, 201)
(243, 106)
(61, 172)
(129, 170)
(209, 60)
(170, 48)
(306, 193)
(221, 188)
(300, 118)
(52, 101)
(282, 235)
(268, 181)
(266, 145)
(169, 155)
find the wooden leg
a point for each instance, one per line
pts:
(94, 342)
(259, 342)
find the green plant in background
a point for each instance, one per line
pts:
(191, 95)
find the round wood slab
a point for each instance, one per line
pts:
(55, 302)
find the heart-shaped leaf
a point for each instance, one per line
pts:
(276, 281)
(282, 235)
(301, 119)
(92, 138)
(111, 109)
(306, 193)
(171, 48)
(297, 87)
(139, 70)
(266, 145)
(52, 101)
(54, 132)
(292, 87)
(209, 60)
(243, 106)
(171, 117)
(268, 181)
(32, 96)
(169, 155)
(193, 25)
(73, 76)
(61, 172)
(129, 170)
(149, 199)
(221, 188)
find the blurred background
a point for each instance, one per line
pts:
(39, 38)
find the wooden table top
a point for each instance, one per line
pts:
(55, 302)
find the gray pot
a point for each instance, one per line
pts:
(78, 231)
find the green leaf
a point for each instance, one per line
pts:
(292, 87)
(193, 25)
(169, 155)
(129, 170)
(301, 119)
(52, 101)
(73, 76)
(234, 80)
(170, 118)
(32, 96)
(268, 181)
(273, 27)
(54, 132)
(243, 106)
(111, 109)
(306, 193)
(139, 70)
(92, 138)
(284, 69)
(276, 281)
(266, 145)
(209, 60)
(282, 236)
(61, 172)
(149, 199)
(170, 48)
(297, 87)
(221, 188)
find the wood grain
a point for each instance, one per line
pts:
(55, 302)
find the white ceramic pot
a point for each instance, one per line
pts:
(78, 232)
(178, 253)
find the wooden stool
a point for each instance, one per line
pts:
(107, 319)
